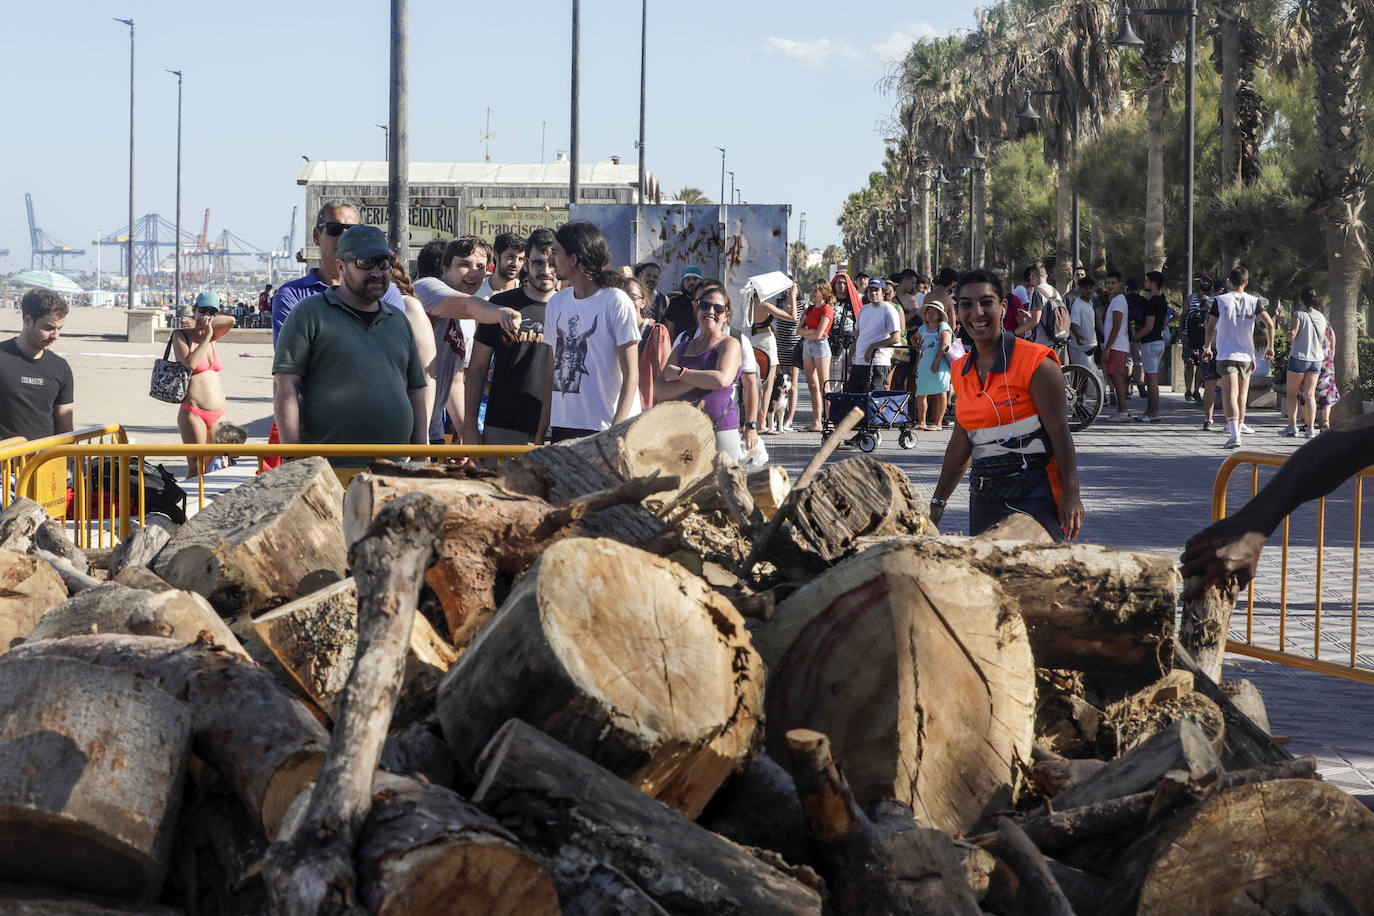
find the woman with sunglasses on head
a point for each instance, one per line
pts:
(814, 332)
(704, 369)
(1010, 422)
(200, 415)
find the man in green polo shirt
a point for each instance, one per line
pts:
(346, 368)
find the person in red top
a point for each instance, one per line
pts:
(1010, 425)
(814, 332)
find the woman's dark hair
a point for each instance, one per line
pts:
(1308, 295)
(585, 242)
(980, 276)
(946, 276)
(714, 288)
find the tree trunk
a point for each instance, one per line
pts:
(28, 589)
(115, 608)
(627, 658)
(90, 776)
(1097, 241)
(1204, 626)
(1228, 24)
(143, 545)
(1155, 62)
(270, 540)
(923, 238)
(577, 814)
(1065, 258)
(316, 639)
(1256, 848)
(19, 523)
(918, 674)
(265, 744)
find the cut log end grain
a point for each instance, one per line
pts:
(624, 656)
(115, 608)
(28, 589)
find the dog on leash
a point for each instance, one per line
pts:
(777, 404)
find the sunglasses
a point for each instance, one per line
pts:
(207, 311)
(718, 308)
(333, 228)
(371, 263)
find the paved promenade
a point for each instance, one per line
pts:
(1149, 487)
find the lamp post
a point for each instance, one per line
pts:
(976, 160)
(643, 77)
(398, 134)
(574, 185)
(130, 294)
(386, 143)
(939, 181)
(177, 282)
(731, 198)
(1127, 38)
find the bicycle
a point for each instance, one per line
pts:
(1082, 392)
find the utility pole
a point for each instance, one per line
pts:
(643, 78)
(177, 300)
(386, 141)
(129, 302)
(573, 183)
(486, 137)
(722, 175)
(398, 137)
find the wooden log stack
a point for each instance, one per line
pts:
(619, 676)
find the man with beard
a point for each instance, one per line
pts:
(681, 314)
(510, 260)
(517, 413)
(347, 370)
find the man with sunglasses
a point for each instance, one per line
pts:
(346, 369)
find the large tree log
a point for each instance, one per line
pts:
(263, 543)
(1255, 849)
(490, 532)
(28, 589)
(262, 741)
(849, 500)
(316, 637)
(672, 439)
(91, 767)
(72, 577)
(624, 656)
(918, 671)
(142, 547)
(567, 808)
(312, 869)
(1182, 746)
(115, 608)
(1205, 624)
(1245, 744)
(20, 522)
(1086, 607)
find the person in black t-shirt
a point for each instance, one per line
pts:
(517, 413)
(1154, 324)
(35, 383)
(681, 314)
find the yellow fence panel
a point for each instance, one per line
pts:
(49, 487)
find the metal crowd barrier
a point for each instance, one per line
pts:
(99, 507)
(1313, 662)
(49, 488)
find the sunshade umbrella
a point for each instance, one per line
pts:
(47, 279)
(768, 285)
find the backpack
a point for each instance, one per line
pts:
(1055, 318)
(161, 492)
(842, 334)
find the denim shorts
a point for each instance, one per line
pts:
(1150, 354)
(1303, 366)
(815, 349)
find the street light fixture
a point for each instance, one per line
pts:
(177, 299)
(386, 143)
(130, 294)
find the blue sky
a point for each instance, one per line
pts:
(793, 95)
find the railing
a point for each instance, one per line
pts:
(50, 488)
(100, 506)
(1313, 662)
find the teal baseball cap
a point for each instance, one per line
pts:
(363, 242)
(208, 300)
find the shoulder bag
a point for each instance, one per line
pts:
(171, 380)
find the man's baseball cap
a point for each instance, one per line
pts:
(208, 300)
(876, 283)
(363, 242)
(692, 271)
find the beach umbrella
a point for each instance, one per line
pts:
(47, 279)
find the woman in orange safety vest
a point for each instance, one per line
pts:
(1011, 425)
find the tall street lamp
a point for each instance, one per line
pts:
(1029, 113)
(1127, 38)
(976, 160)
(643, 78)
(386, 143)
(177, 286)
(398, 134)
(130, 294)
(574, 182)
(939, 181)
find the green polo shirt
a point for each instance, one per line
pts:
(354, 376)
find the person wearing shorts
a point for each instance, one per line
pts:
(1116, 345)
(1231, 336)
(815, 349)
(1210, 382)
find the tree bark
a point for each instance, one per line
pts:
(1155, 63)
(312, 870)
(73, 578)
(1065, 258)
(28, 589)
(1245, 744)
(143, 545)
(19, 523)
(1204, 626)
(90, 776)
(918, 673)
(1182, 746)
(577, 814)
(624, 656)
(1038, 884)
(263, 543)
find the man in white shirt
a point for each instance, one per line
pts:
(1116, 345)
(1231, 336)
(878, 330)
(1082, 322)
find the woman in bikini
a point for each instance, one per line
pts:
(200, 414)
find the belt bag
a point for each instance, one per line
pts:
(171, 380)
(1008, 478)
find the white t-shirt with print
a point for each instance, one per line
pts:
(877, 321)
(1116, 312)
(585, 334)
(1236, 326)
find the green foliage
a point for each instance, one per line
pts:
(693, 196)
(1021, 204)
(1365, 349)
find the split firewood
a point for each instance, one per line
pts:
(1245, 744)
(886, 866)
(1182, 746)
(1130, 725)
(267, 541)
(1067, 725)
(1255, 849)
(1247, 698)
(1086, 607)
(1038, 885)
(312, 869)
(627, 658)
(1205, 624)
(1052, 777)
(90, 777)
(28, 588)
(19, 522)
(113, 608)
(264, 743)
(585, 820)
(316, 637)
(141, 577)
(141, 547)
(73, 578)
(768, 488)
(490, 532)
(918, 673)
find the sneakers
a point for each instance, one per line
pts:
(1146, 418)
(1232, 441)
(1207, 426)
(1288, 432)
(1120, 418)
(787, 427)
(1309, 434)
(1246, 430)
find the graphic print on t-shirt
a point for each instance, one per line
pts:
(570, 356)
(529, 332)
(454, 338)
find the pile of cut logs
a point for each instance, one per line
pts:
(621, 676)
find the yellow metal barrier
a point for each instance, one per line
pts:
(95, 499)
(1313, 662)
(50, 488)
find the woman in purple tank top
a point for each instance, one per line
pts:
(704, 369)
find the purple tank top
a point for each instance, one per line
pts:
(719, 403)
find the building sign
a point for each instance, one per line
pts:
(427, 222)
(493, 221)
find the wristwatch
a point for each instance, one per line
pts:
(937, 501)
(751, 425)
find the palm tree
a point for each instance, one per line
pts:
(1161, 33)
(1339, 58)
(693, 196)
(1238, 47)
